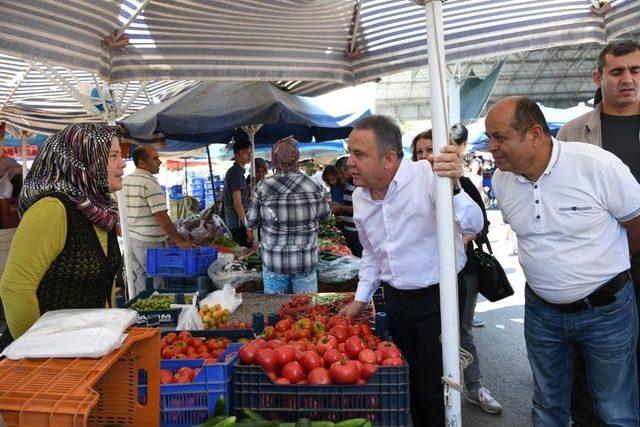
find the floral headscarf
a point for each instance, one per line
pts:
(74, 162)
(285, 155)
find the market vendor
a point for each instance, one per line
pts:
(288, 207)
(394, 213)
(65, 251)
(150, 226)
(236, 196)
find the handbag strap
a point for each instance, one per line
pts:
(483, 239)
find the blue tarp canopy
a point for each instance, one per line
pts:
(11, 141)
(214, 112)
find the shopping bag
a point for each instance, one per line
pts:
(493, 283)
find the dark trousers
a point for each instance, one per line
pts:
(414, 324)
(582, 412)
(239, 236)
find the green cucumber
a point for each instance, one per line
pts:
(227, 422)
(354, 422)
(322, 424)
(212, 422)
(221, 406)
(253, 415)
(303, 422)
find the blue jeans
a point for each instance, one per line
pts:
(297, 283)
(607, 336)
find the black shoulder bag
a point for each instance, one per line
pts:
(493, 283)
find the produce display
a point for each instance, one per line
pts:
(328, 304)
(158, 302)
(331, 242)
(252, 418)
(213, 317)
(184, 346)
(320, 350)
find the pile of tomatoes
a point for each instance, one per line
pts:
(301, 306)
(333, 350)
(184, 346)
(181, 376)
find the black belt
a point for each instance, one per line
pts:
(411, 292)
(604, 295)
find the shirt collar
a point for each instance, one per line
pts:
(553, 161)
(144, 172)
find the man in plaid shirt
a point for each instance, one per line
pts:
(288, 207)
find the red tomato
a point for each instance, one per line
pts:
(273, 344)
(298, 345)
(331, 357)
(170, 338)
(354, 330)
(311, 360)
(166, 377)
(284, 355)
(352, 347)
(266, 358)
(196, 342)
(202, 349)
(180, 356)
(211, 361)
(187, 372)
(283, 325)
(381, 354)
(181, 379)
(367, 356)
(247, 353)
(393, 352)
(318, 376)
(344, 372)
(365, 329)
(392, 361)
(167, 353)
(260, 343)
(368, 370)
(184, 335)
(269, 333)
(341, 332)
(326, 343)
(341, 347)
(361, 381)
(293, 371)
(299, 355)
(359, 365)
(289, 335)
(282, 381)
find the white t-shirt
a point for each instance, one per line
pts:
(568, 223)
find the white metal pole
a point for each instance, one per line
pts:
(444, 218)
(23, 146)
(454, 99)
(126, 242)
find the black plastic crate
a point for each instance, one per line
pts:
(384, 400)
(202, 284)
(159, 317)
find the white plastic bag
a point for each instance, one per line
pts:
(74, 333)
(339, 270)
(224, 271)
(227, 298)
(189, 319)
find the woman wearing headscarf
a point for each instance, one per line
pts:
(65, 251)
(288, 207)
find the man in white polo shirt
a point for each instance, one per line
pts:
(149, 224)
(575, 209)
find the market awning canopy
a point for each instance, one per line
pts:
(211, 112)
(308, 47)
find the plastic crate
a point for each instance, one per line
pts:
(194, 402)
(384, 400)
(164, 317)
(201, 284)
(84, 392)
(177, 262)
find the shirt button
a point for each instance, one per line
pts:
(537, 216)
(537, 201)
(535, 186)
(573, 208)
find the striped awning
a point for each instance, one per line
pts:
(307, 47)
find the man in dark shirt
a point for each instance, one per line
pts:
(615, 126)
(344, 210)
(236, 196)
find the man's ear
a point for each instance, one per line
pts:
(390, 158)
(597, 78)
(537, 133)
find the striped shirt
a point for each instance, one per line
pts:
(347, 218)
(288, 207)
(144, 198)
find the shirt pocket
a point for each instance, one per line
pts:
(578, 218)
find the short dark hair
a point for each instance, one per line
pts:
(386, 131)
(527, 114)
(616, 48)
(140, 153)
(328, 171)
(459, 133)
(241, 144)
(427, 134)
(341, 163)
(261, 163)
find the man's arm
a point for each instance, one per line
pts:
(633, 234)
(369, 279)
(167, 226)
(236, 196)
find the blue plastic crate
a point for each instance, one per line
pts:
(194, 402)
(175, 190)
(176, 262)
(384, 400)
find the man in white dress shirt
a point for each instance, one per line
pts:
(575, 209)
(394, 213)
